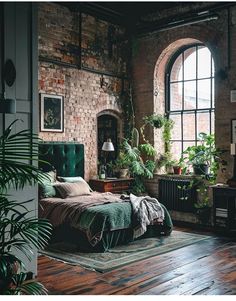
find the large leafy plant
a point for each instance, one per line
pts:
(138, 158)
(20, 233)
(205, 153)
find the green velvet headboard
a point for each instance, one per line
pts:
(66, 157)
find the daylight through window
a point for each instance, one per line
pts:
(190, 96)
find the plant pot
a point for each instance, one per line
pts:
(201, 169)
(124, 173)
(177, 170)
(158, 123)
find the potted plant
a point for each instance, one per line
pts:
(179, 166)
(19, 232)
(122, 165)
(138, 159)
(155, 120)
(204, 156)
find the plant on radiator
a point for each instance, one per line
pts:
(20, 233)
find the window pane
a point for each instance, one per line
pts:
(213, 68)
(204, 93)
(176, 132)
(213, 93)
(176, 150)
(192, 89)
(203, 122)
(190, 95)
(177, 70)
(212, 122)
(189, 126)
(186, 144)
(204, 62)
(190, 63)
(176, 96)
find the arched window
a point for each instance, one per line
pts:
(190, 99)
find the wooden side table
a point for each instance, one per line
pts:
(224, 208)
(112, 185)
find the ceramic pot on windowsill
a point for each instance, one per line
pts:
(124, 173)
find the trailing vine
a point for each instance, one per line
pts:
(128, 112)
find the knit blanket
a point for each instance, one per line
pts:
(146, 211)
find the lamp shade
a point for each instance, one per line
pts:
(108, 146)
(8, 106)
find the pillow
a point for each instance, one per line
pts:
(70, 179)
(46, 188)
(67, 190)
(73, 180)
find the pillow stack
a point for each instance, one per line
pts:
(65, 188)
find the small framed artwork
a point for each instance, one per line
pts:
(233, 130)
(51, 113)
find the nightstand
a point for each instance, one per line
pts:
(112, 185)
(224, 208)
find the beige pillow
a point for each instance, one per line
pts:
(73, 180)
(67, 190)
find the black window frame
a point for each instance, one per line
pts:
(181, 112)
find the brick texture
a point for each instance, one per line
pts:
(86, 95)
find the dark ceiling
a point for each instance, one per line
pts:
(132, 14)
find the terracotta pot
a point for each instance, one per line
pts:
(177, 170)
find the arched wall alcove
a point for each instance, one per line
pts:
(109, 126)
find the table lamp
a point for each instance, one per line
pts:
(107, 147)
(232, 182)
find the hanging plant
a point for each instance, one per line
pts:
(155, 120)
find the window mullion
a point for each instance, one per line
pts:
(196, 124)
(210, 117)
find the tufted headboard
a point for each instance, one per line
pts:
(66, 157)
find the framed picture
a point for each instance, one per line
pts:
(52, 113)
(233, 131)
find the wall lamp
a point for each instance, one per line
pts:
(8, 106)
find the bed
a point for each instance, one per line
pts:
(94, 221)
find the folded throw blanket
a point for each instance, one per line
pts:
(146, 210)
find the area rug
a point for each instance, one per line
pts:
(122, 255)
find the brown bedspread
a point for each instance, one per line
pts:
(69, 210)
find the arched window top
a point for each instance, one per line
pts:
(190, 98)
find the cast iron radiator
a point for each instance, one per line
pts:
(175, 194)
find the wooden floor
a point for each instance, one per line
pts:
(205, 268)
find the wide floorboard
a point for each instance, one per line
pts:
(205, 268)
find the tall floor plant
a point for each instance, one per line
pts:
(20, 233)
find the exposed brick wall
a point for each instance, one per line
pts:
(155, 51)
(86, 94)
(83, 101)
(58, 33)
(103, 46)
